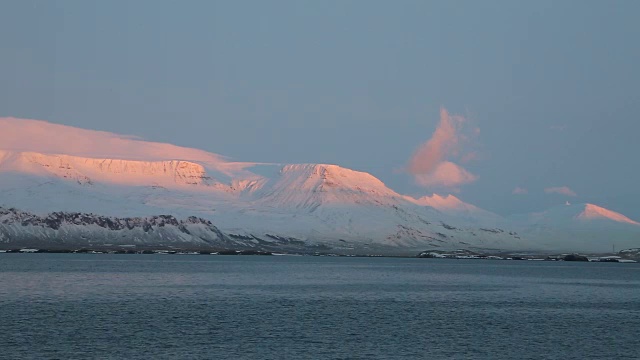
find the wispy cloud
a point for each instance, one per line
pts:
(563, 190)
(519, 191)
(432, 164)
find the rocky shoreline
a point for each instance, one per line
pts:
(624, 256)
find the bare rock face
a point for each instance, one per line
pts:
(575, 257)
(73, 228)
(66, 230)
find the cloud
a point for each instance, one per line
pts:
(442, 143)
(563, 190)
(431, 164)
(446, 174)
(44, 137)
(519, 191)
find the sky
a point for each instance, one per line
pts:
(512, 106)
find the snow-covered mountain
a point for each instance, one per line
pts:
(54, 170)
(587, 227)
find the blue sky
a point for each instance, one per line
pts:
(552, 86)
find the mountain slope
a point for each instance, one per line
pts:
(594, 212)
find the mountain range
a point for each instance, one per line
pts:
(62, 186)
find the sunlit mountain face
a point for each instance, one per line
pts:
(46, 168)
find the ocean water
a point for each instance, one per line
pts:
(82, 306)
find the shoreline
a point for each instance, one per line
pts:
(624, 256)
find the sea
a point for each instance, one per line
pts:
(107, 306)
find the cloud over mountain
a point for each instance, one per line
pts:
(432, 164)
(446, 174)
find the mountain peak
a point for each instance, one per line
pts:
(593, 212)
(328, 175)
(309, 185)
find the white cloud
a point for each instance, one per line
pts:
(562, 190)
(519, 191)
(446, 174)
